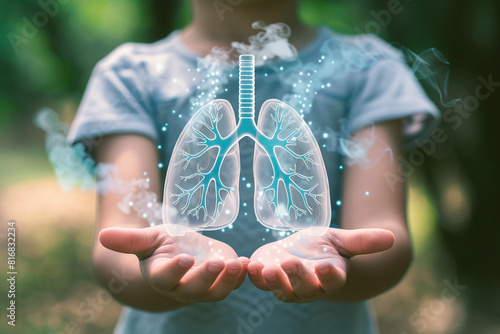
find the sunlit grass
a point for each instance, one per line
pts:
(23, 164)
(54, 239)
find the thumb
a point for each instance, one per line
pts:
(139, 241)
(364, 241)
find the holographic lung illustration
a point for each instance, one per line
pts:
(291, 184)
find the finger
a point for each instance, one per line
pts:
(226, 281)
(362, 241)
(165, 274)
(254, 269)
(304, 282)
(244, 262)
(197, 282)
(332, 277)
(139, 241)
(278, 283)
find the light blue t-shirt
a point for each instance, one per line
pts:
(154, 89)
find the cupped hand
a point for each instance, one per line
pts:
(304, 268)
(190, 269)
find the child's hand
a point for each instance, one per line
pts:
(303, 268)
(190, 269)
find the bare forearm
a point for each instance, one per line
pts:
(120, 275)
(373, 274)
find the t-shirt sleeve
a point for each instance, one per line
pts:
(114, 102)
(388, 90)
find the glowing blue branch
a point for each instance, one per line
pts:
(283, 121)
(208, 119)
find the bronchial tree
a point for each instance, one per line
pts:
(291, 185)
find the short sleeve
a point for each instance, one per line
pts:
(114, 102)
(388, 90)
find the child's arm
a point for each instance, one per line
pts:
(164, 277)
(327, 267)
(384, 207)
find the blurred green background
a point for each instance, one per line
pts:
(454, 200)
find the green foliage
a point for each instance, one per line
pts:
(49, 51)
(338, 15)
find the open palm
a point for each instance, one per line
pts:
(304, 267)
(189, 269)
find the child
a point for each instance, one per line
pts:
(379, 104)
